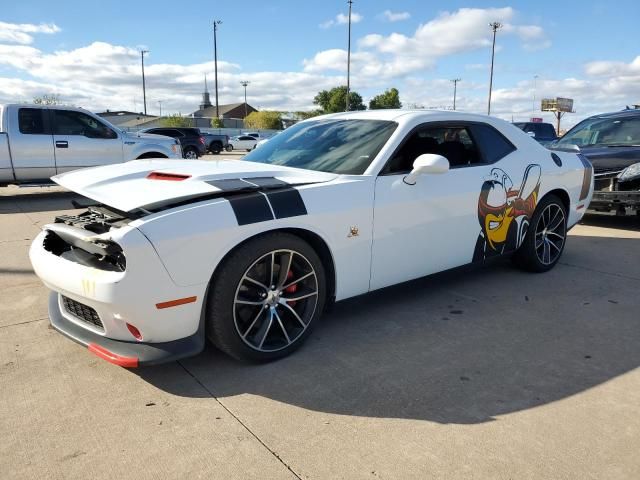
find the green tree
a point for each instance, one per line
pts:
(303, 115)
(335, 100)
(47, 100)
(389, 99)
(264, 120)
(176, 121)
(217, 123)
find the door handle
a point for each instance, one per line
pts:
(62, 144)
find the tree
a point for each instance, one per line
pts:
(389, 99)
(176, 121)
(217, 123)
(47, 100)
(303, 115)
(264, 120)
(335, 100)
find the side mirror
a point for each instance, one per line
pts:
(427, 163)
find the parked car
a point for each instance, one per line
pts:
(192, 141)
(242, 142)
(611, 142)
(38, 142)
(215, 143)
(544, 133)
(247, 253)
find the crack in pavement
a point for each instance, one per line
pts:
(24, 323)
(239, 421)
(618, 275)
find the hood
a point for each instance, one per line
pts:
(150, 184)
(152, 136)
(605, 159)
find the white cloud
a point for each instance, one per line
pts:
(21, 32)
(342, 19)
(609, 69)
(395, 16)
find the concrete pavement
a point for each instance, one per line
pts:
(482, 373)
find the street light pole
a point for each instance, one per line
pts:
(350, 2)
(215, 59)
(244, 83)
(144, 87)
(455, 88)
(495, 26)
(160, 104)
(535, 85)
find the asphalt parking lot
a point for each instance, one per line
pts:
(485, 373)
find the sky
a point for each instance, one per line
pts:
(87, 53)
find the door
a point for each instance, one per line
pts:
(445, 220)
(31, 144)
(81, 140)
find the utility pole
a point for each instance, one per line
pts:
(144, 87)
(495, 26)
(455, 88)
(535, 84)
(215, 59)
(350, 2)
(244, 83)
(160, 104)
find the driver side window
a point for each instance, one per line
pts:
(452, 142)
(68, 122)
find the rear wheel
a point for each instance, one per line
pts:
(545, 240)
(216, 147)
(266, 298)
(229, 148)
(151, 155)
(190, 154)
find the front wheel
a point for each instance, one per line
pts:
(544, 243)
(265, 298)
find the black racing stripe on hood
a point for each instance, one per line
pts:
(251, 208)
(286, 203)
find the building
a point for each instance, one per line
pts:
(118, 117)
(231, 114)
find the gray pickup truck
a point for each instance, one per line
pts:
(37, 142)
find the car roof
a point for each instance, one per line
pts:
(397, 114)
(621, 113)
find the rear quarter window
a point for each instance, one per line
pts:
(31, 121)
(492, 144)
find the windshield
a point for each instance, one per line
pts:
(603, 132)
(335, 146)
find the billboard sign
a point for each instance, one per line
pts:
(558, 104)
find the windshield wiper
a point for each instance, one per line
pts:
(622, 145)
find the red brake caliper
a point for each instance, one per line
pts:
(291, 288)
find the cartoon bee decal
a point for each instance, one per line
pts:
(504, 212)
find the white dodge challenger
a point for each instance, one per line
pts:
(247, 253)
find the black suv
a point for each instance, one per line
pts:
(544, 133)
(191, 140)
(611, 142)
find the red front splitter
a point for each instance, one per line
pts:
(127, 362)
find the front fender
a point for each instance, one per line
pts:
(131, 152)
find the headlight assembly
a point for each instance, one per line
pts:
(629, 173)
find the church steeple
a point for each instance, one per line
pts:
(206, 101)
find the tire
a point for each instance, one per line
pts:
(545, 240)
(246, 318)
(190, 154)
(229, 148)
(216, 148)
(249, 149)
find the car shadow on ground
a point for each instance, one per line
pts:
(16, 200)
(627, 222)
(460, 347)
